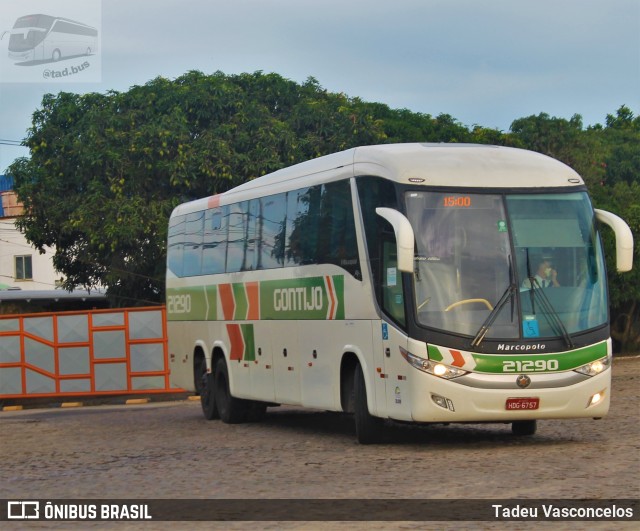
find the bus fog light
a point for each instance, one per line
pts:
(596, 399)
(443, 402)
(595, 367)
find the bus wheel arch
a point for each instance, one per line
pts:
(56, 55)
(354, 398)
(369, 428)
(348, 366)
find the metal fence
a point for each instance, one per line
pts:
(99, 352)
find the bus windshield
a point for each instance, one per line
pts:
(530, 265)
(34, 30)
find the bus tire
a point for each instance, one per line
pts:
(523, 428)
(231, 410)
(56, 55)
(207, 395)
(368, 427)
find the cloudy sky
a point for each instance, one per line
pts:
(485, 62)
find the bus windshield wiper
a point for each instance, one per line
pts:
(549, 311)
(508, 294)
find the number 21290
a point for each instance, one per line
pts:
(529, 365)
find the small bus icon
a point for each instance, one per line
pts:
(44, 38)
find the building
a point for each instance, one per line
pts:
(21, 265)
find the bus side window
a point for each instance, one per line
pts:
(192, 252)
(270, 231)
(375, 192)
(241, 240)
(303, 209)
(175, 245)
(337, 242)
(214, 252)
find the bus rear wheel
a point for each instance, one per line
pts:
(368, 428)
(206, 389)
(524, 427)
(231, 410)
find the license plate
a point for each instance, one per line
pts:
(522, 404)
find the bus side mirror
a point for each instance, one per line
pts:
(624, 239)
(404, 237)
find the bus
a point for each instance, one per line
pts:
(404, 282)
(47, 38)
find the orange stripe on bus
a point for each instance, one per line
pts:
(458, 359)
(332, 310)
(253, 296)
(237, 343)
(228, 303)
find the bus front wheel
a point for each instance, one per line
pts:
(368, 427)
(55, 56)
(231, 410)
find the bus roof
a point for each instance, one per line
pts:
(38, 20)
(441, 165)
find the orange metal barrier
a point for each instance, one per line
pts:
(89, 353)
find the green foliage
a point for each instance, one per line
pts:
(106, 170)
(608, 158)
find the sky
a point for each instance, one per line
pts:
(484, 62)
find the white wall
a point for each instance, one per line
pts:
(12, 244)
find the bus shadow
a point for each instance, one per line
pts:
(341, 425)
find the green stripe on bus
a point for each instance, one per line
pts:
(195, 303)
(242, 304)
(315, 298)
(494, 363)
(249, 342)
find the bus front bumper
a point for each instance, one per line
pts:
(438, 400)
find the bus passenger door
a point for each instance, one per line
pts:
(286, 361)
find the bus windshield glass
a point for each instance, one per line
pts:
(537, 255)
(34, 30)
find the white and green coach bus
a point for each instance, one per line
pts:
(427, 283)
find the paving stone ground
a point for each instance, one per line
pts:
(168, 450)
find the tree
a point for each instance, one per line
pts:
(608, 158)
(624, 289)
(106, 170)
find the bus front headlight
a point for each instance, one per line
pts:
(595, 367)
(432, 367)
